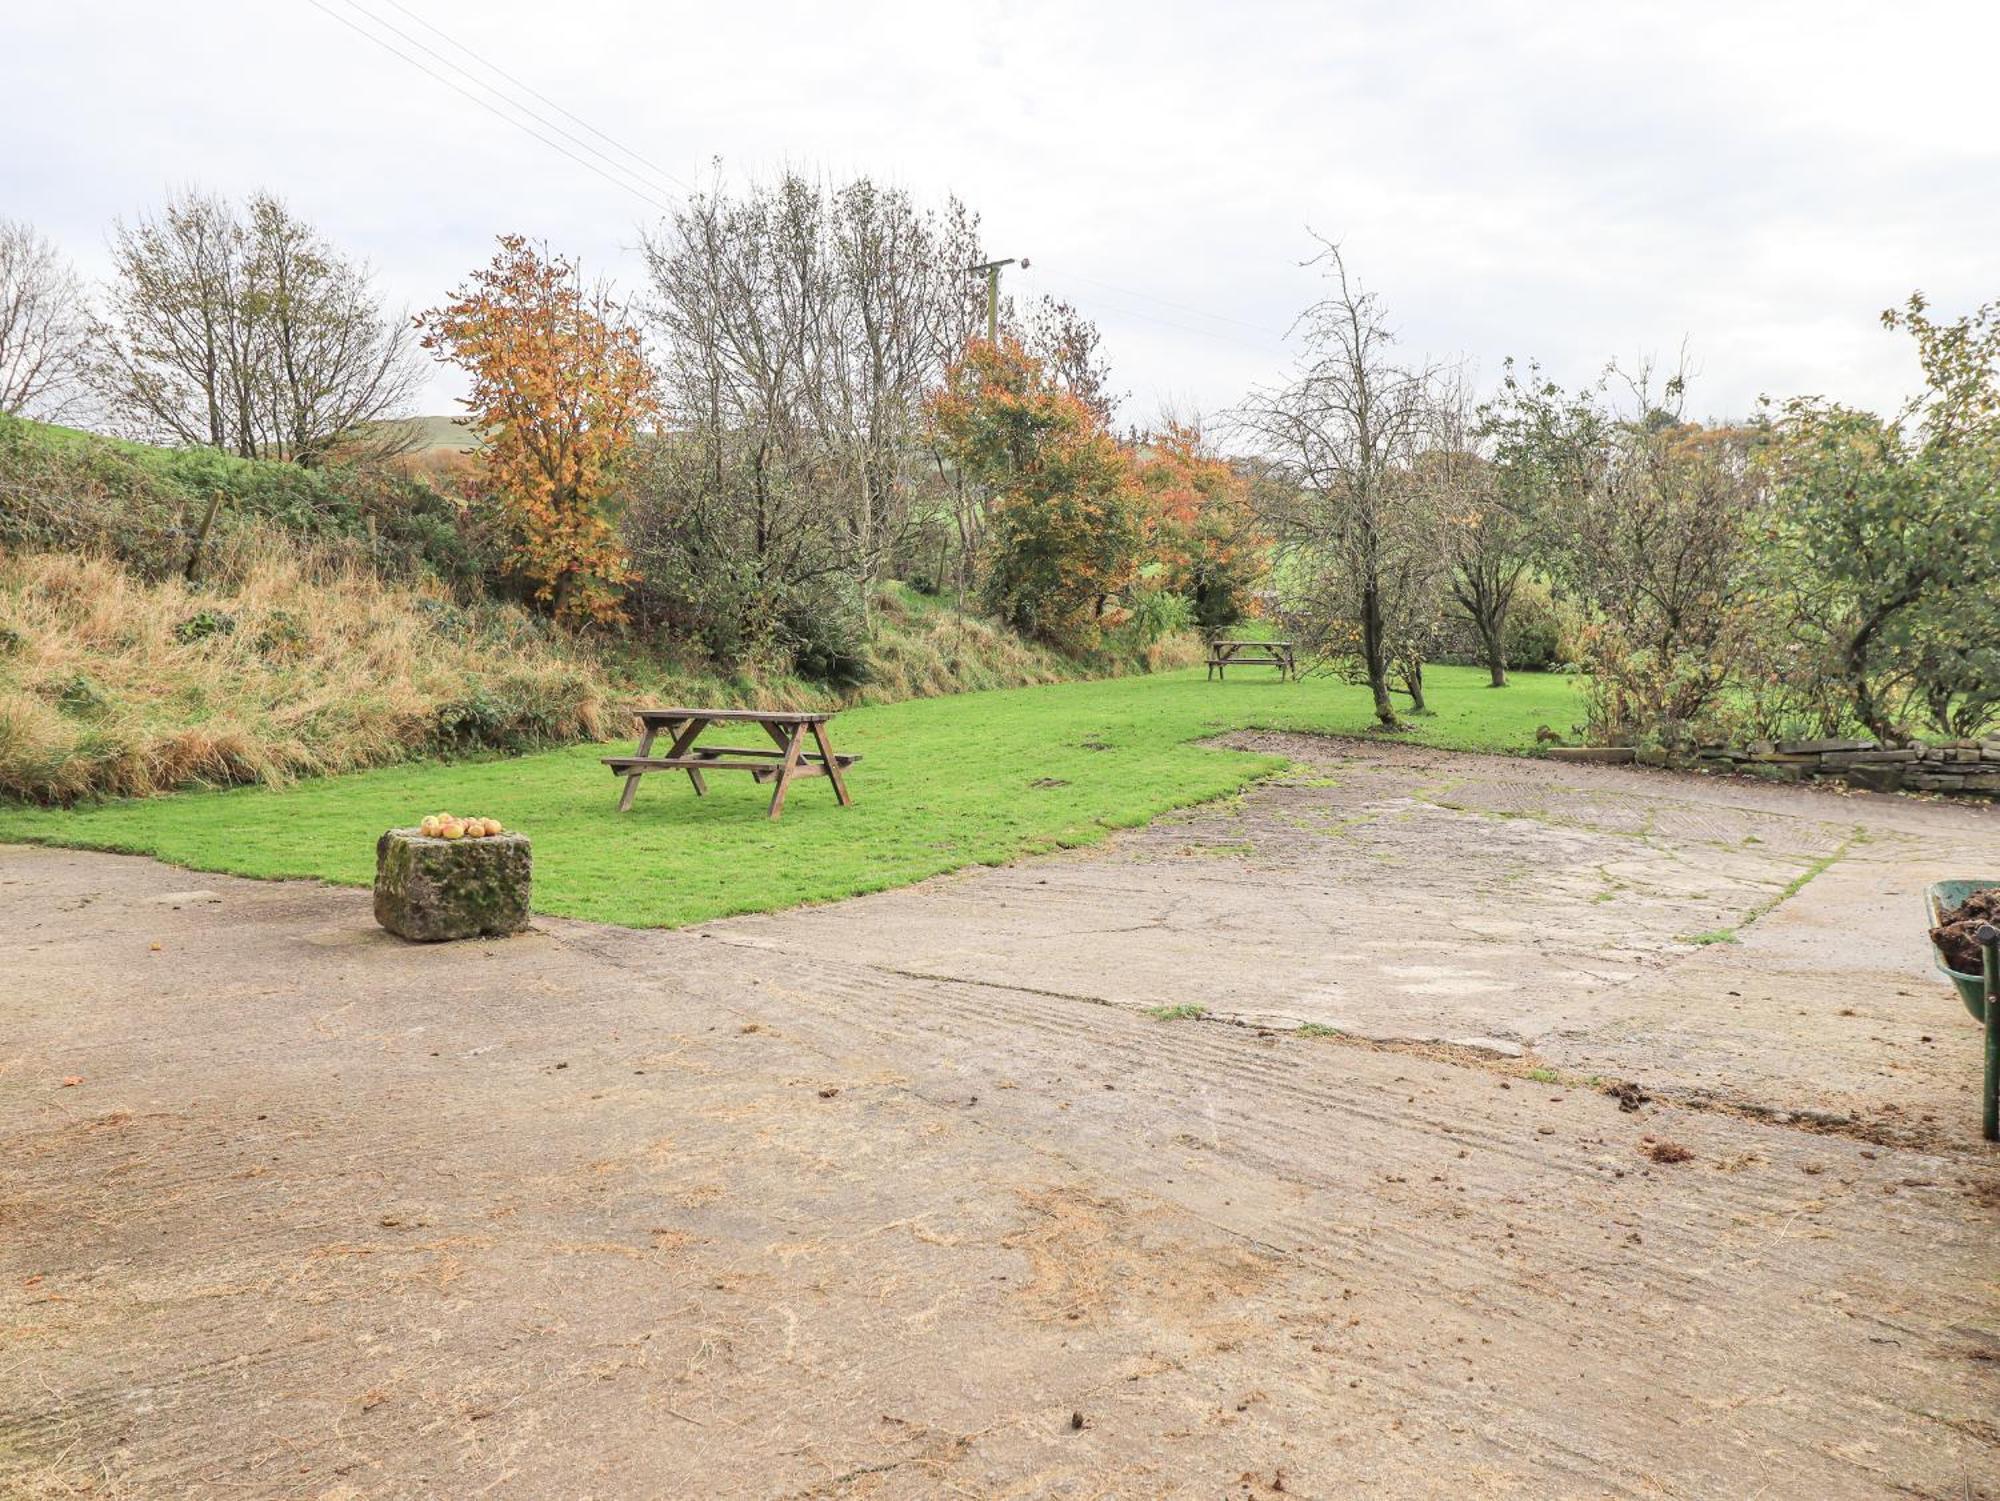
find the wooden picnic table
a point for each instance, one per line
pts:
(784, 761)
(1223, 655)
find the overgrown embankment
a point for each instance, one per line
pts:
(295, 660)
(339, 623)
(297, 663)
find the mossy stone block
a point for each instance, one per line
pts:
(429, 890)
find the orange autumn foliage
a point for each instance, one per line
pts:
(1198, 521)
(560, 386)
(1061, 529)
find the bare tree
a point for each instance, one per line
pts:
(735, 293)
(248, 332)
(1415, 568)
(1346, 431)
(801, 326)
(45, 324)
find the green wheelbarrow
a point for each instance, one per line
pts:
(1980, 992)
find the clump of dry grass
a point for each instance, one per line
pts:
(923, 649)
(917, 647)
(293, 662)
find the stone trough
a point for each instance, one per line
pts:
(429, 889)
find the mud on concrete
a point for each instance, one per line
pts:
(1642, 1164)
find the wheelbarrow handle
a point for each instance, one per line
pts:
(1988, 937)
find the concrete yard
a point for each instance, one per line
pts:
(944, 1193)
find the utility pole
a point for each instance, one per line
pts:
(992, 270)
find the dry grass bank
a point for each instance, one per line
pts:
(300, 660)
(294, 663)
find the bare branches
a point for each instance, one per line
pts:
(1070, 347)
(45, 325)
(801, 327)
(1348, 431)
(249, 333)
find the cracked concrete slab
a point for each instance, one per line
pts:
(1574, 912)
(912, 1196)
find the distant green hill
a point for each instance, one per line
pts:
(437, 432)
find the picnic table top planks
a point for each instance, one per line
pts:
(786, 761)
(761, 716)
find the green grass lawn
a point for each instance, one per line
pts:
(977, 778)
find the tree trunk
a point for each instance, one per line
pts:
(1857, 659)
(1413, 684)
(1493, 638)
(1374, 656)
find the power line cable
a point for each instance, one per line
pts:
(1275, 341)
(521, 83)
(491, 109)
(1163, 302)
(639, 185)
(508, 99)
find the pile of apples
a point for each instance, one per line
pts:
(447, 826)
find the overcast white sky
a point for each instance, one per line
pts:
(1569, 182)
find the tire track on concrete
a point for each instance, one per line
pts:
(1452, 1257)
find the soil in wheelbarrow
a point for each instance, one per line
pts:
(1953, 936)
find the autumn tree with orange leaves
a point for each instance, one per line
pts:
(1062, 526)
(560, 386)
(1198, 521)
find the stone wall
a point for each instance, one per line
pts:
(1969, 768)
(1953, 766)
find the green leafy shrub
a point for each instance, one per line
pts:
(203, 624)
(826, 646)
(1541, 629)
(68, 491)
(1156, 613)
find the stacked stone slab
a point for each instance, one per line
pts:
(1969, 767)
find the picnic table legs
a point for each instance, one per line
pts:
(684, 732)
(786, 767)
(832, 766)
(790, 760)
(791, 740)
(632, 781)
(683, 738)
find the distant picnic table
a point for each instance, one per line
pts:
(1223, 655)
(784, 761)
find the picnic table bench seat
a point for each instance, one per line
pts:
(784, 761)
(711, 758)
(1225, 654)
